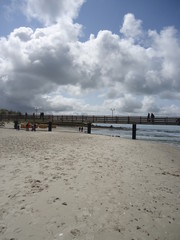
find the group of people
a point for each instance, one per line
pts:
(150, 117)
(80, 129)
(33, 127)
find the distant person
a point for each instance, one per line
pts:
(152, 117)
(82, 129)
(25, 115)
(50, 126)
(16, 124)
(148, 117)
(33, 127)
(42, 115)
(27, 126)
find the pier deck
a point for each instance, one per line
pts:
(117, 120)
(82, 119)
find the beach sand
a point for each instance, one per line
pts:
(64, 185)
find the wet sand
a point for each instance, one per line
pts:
(64, 185)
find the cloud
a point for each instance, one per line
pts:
(50, 67)
(127, 104)
(170, 110)
(9, 9)
(51, 12)
(149, 104)
(131, 27)
(167, 48)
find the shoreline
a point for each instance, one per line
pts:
(59, 185)
(140, 128)
(75, 129)
(143, 134)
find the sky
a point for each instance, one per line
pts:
(90, 56)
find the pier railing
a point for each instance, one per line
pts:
(58, 119)
(82, 119)
(117, 119)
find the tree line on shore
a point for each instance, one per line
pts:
(6, 111)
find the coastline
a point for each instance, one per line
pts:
(159, 134)
(69, 185)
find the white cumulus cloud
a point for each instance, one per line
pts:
(52, 68)
(53, 11)
(131, 27)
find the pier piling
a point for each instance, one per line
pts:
(134, 131)
(89, 128)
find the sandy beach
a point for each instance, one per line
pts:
(64, 185)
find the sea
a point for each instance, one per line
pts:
(159, 133)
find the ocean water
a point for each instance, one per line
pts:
(160, 133)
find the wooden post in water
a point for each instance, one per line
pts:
(89, 128)
(134, 131)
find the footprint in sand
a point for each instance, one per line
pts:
(75, 232)
(2, 228)
(36, 185)
(53, 200)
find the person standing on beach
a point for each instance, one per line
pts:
(27, 126)
(33, 127)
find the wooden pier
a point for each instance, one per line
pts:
(90, 119)
(116, 119)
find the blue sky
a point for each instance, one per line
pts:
(96, 15)
(12, 17)
(87, 57)
(108, 14)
